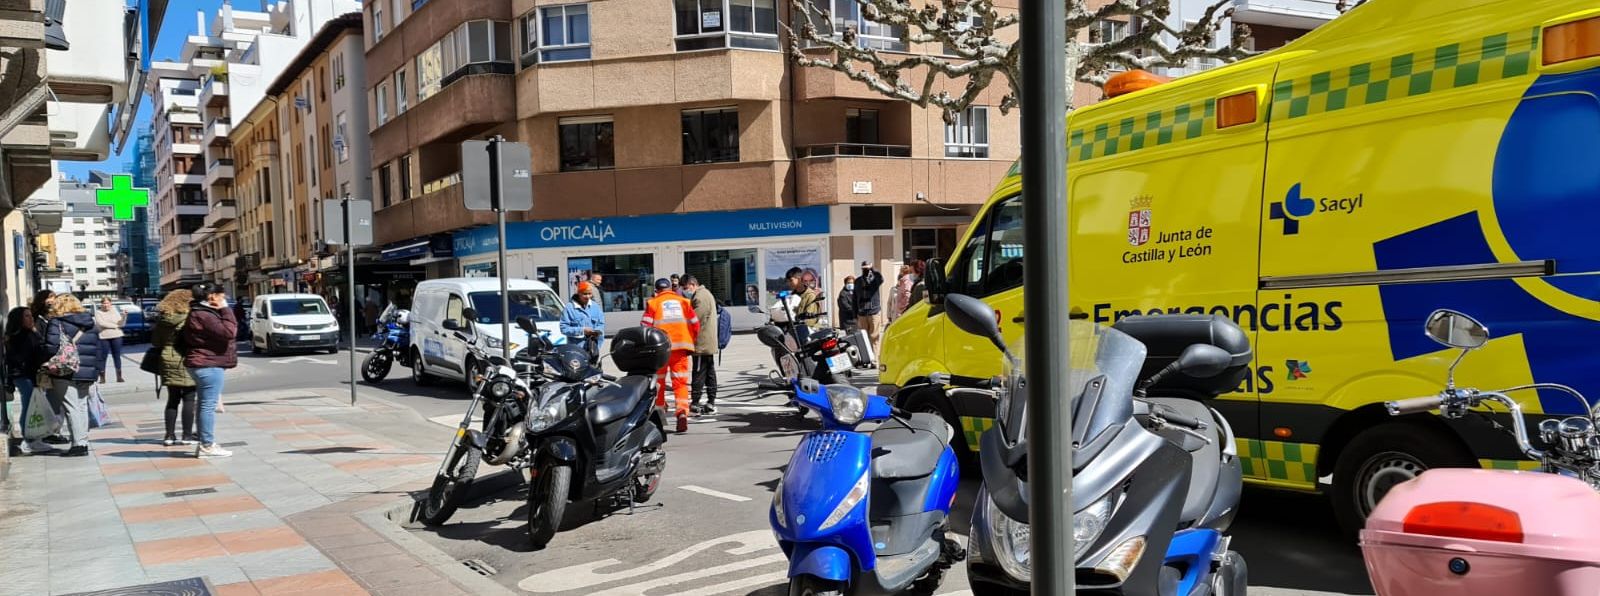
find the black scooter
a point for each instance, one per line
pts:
(593, 437)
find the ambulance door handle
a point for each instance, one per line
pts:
(1017, 319)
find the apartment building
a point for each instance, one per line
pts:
(260, 195)
(684, 143)
(87, 243)
(179, 208)
(225, 67)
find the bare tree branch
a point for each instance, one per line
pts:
(977, 47)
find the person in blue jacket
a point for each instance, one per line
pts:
(582, 321)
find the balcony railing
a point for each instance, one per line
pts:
(225, 161)
(441, 183)
(853, 150)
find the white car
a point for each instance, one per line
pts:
(470, 306)
(281, 322)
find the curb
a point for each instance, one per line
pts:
(385, 521)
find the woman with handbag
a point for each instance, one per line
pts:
(74, 344)
(109, 320)
(165, 360)
(24, 353)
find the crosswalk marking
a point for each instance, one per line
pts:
(640, 589)
(714, 493)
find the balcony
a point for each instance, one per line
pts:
(713, 75)
(214, 91)
(216, 132)
(78, 131)
(464, 108)
(221, 212)
(220, 170)
(852, 149)
(1292, 14)
(433, 212)
(200, 209)
(839, 177)
(94, 69)
(669, 189)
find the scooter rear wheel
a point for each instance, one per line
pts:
(807, 585)
(1232, 576)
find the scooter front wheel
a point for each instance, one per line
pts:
(807, 585)
(376, 367)
(1232, 576)
(547, 502)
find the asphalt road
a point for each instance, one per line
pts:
(706, 532)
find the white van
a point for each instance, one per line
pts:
(440, 309)
(292, 322)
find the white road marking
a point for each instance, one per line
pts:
(641, 588)
(714, 493)
(305, 359)
(453, 420)
(588, 575)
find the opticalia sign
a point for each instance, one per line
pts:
(671, 227)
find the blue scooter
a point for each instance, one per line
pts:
(866, 513)
(392, 341)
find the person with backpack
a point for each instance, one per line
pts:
(209, 336)
(704, 375)
(74, 344)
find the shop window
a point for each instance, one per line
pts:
(627, 281)
(968, 136)
(780, 260)
(710, 135)
(861, 126)
(730, 275)
(586, 144)
(707, 24)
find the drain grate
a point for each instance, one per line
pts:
(235, 444)
(193, 586)
(479, 567)
(190, 492)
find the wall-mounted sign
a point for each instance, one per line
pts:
(862, 187)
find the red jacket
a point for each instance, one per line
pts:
(208, 338)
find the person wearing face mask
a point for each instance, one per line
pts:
(847, 304)
(209, 337)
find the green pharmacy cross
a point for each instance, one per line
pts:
(122, 197)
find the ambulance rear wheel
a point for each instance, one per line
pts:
(1386, 456)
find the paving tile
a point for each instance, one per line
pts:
(282, 562)
(385, 563)
(172, 550)
(262, 539)
(172, 528)
(403, 576)
(171, 484)
(112, 469)
(243, 588)
(350, 554)
(243, 520)
(336, 545)
(439, 588)
(334, 527)
(330, 583)
(220, 570)
(213, 506)
(147, 473)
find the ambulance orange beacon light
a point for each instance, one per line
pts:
(1131, 81)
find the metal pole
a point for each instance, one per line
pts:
(350, 258)
(497, 197)
(1044, 204)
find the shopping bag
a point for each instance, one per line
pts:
(40, 419)
(99, 414)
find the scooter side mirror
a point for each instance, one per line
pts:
(1203, 361)
(469, 313)
(1456, 330)
(975, 317)
(526, 324)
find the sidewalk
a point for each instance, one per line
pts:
(296, 510)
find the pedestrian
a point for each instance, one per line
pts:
(673, 314)
(42, 301)
(109, 320)
(918, 268)
(847, 304)
(809, 308)
(704, 375)
(597, 295)
(902, 291)
(208, 337)
(69, 395)
(25, 352)
(582, 320)
(172, 315)
(868, 301)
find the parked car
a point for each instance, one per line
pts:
(441, 308)
(137, 328)
(292, 322)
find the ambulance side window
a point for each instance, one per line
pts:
(991, 262)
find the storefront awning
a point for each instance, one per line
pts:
(405, 250)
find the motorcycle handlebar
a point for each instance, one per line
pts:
(1177, 419)
(941, 379)
(1415, 405)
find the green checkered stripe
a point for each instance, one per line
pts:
(1293, 463)
(1171, 125)
(1509, 464)
(973, 427)
(1450, 66)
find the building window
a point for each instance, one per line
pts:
(563, 33)
(399, 91)
(405, 177)
(338, 71)
(311, 162)
(968, 137)
(327, 149)
(861, 126)
(847, 15)
(710, 135)
(1108, 31)
(430, 71)
(384, 198)
(80, 258)
(80, 245)
(396, 13)
(950, 50)
(341, 142)
(706, 24)
(586, 144)
(475, 47)
(377, 22)
(626, 279)
(383, 103)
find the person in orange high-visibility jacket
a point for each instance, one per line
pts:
(669, 311)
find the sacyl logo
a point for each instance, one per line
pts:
(1296, 207)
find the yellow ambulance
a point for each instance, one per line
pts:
(1408, 156)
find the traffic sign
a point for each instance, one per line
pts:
(122, 197)
(496, 168)
(333, 225)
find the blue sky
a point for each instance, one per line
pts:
(177, 25)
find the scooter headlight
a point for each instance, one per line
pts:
(849, 404)
(499, 388)
(777, 505)
(851, 499)
(548, 415)
(1012, 542)
(1089, 523)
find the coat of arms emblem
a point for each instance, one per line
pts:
(1139, 220)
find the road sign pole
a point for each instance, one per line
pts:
(350, 258)
(497, 192)
(1044, 223)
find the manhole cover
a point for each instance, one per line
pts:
(190, 492)
(480, 567)
(194, 586)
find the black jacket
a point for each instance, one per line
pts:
(847, 306)
(63, 328)
(867, 301)
(24, 353)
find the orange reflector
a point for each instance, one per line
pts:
(1572, 41)
(1283, 432)
(1460, 519)
(1128, 82)
(1237, 109)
